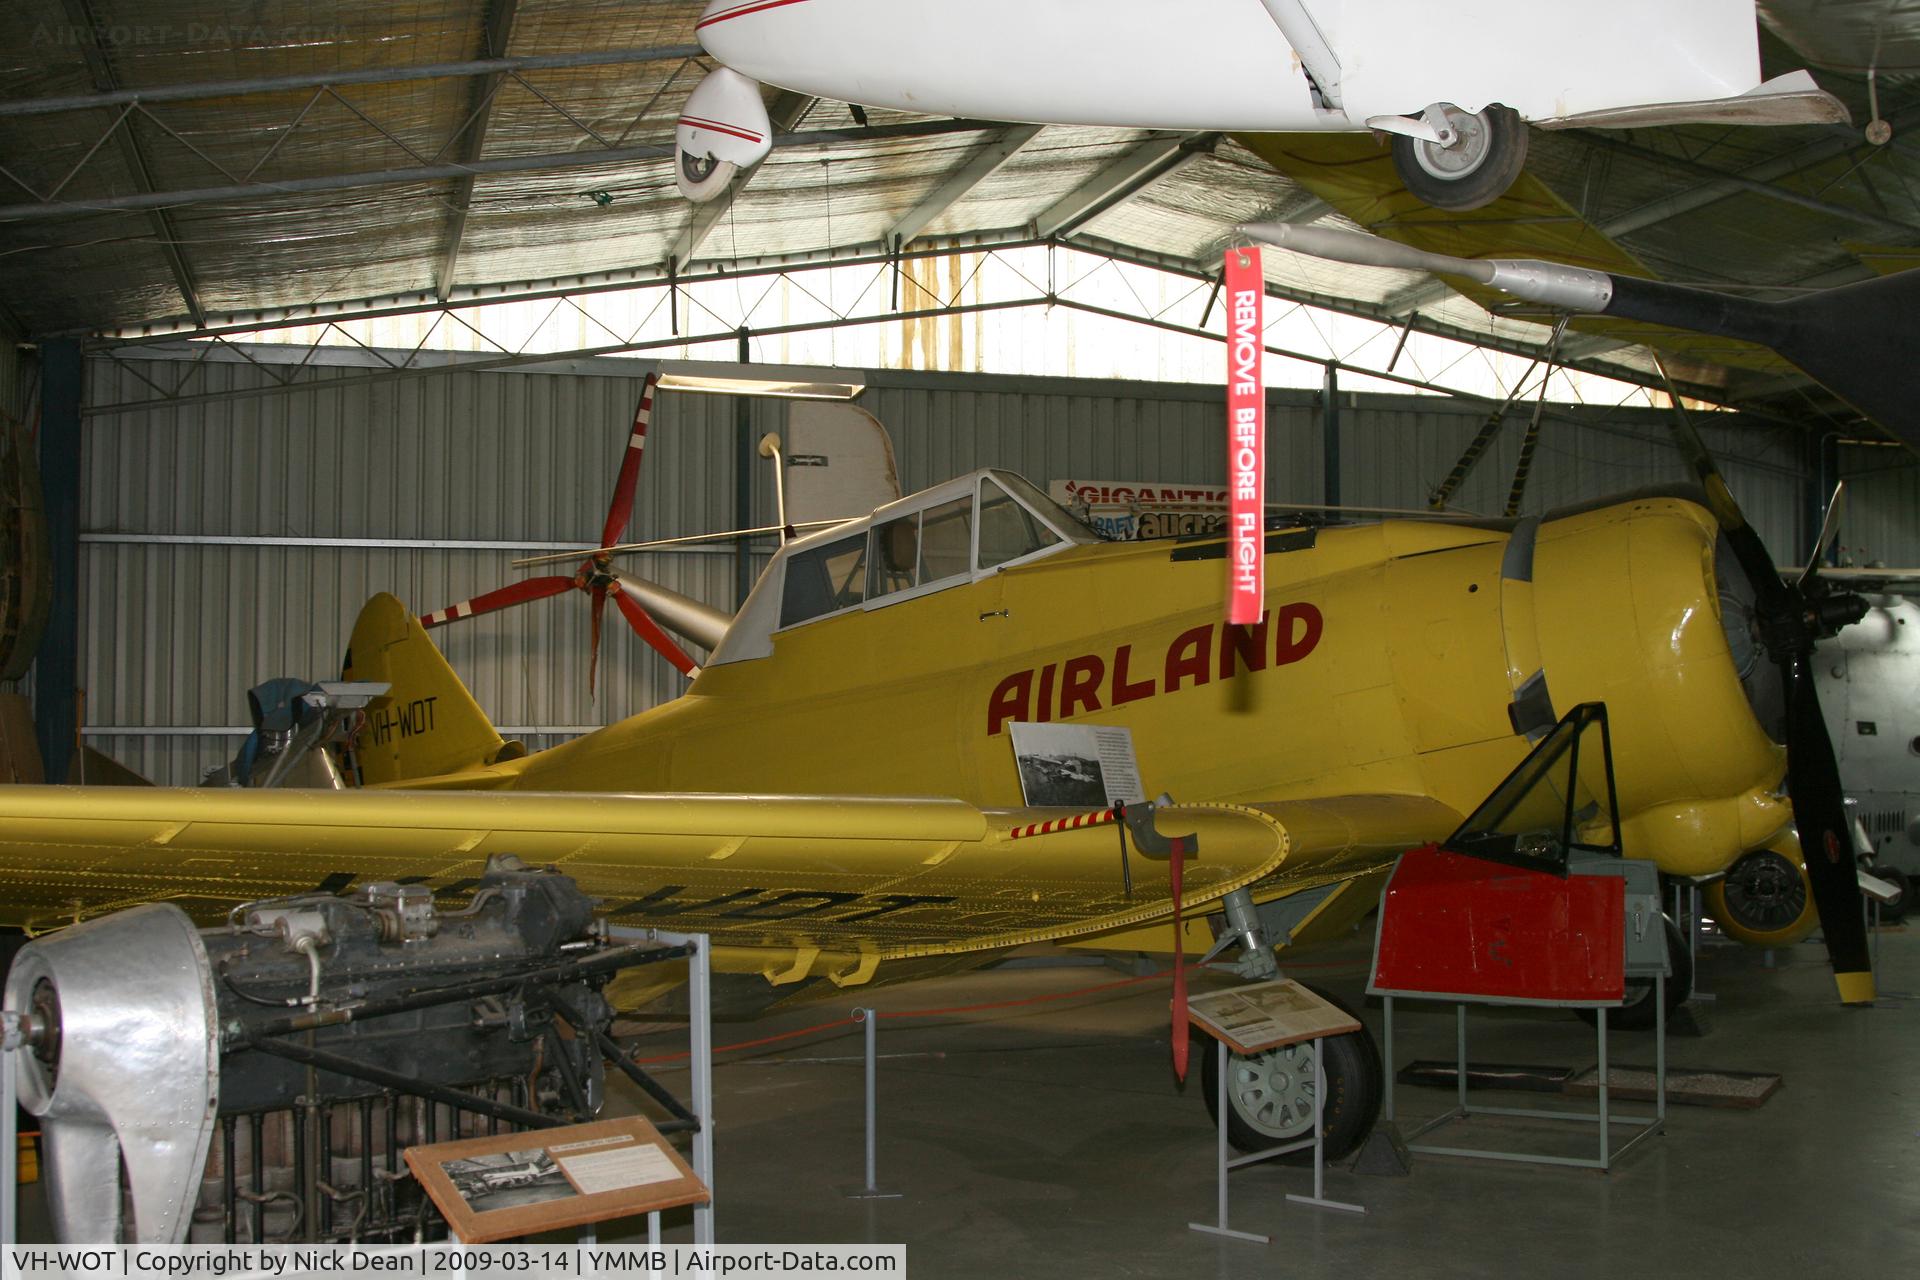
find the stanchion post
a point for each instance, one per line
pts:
(870, 1190)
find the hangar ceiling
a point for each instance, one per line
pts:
(194, 165)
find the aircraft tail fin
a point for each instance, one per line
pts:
(427, 725)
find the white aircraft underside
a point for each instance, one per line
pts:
(1252, 65)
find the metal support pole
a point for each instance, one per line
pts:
(743, 456)
(9, 1144)
(1319, 1196)
(1220, 1144)
(870, 1190)
(700, 1035)
(1460, 1055)
(1219, 1227)
(1387, 1053)
(56, 676)
(1606, 1084)
(1660, 1048)
(1330, 436)
(873, 1090)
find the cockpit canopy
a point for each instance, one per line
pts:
(953, 533)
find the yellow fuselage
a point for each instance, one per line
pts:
(1387, 666)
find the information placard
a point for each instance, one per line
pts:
(509, 1185)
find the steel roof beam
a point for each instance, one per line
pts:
(1733, 183)
(440, 172)
(100, 71)
(983, 164)
(500, 16)
(1118, 182)
(334, 79)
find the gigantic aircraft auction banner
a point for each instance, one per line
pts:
(1246, 289)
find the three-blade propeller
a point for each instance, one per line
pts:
(1837, 337)
(594, 576)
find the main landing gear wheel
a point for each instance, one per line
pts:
(704, 177)
(1487, 154)
(1271, 1094)
(1637, 1014)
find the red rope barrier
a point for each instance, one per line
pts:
(949, 1011)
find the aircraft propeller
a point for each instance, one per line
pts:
(594, 576)
(1788, 618)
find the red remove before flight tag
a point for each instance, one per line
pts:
(1246, 290)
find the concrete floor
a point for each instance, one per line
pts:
(1053, 1140)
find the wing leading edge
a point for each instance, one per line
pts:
(887, 878)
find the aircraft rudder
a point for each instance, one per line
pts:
(427, 723)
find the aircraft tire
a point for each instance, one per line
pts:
(1893, 912)
(1638, 1013)
(701, 178)
(1472, 173)
(1764, 900)
(1355, 1083)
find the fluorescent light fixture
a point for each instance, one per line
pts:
(785, 381)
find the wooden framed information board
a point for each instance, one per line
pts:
(520, 1184)
(1267, 1015)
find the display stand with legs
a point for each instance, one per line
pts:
(1248, 1037)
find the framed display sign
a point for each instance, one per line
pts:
(520, 1184)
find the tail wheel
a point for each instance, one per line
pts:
(1764, 900)
(1638, 1013)
(1489, 150)
(1271, 1095)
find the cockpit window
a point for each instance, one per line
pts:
(946, 539)
(1063, 521)
(896, 555)
(1007, 529)
(824, 579)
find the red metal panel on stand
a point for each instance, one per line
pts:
(1470, 929)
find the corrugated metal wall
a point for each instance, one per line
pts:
(1882, 520)
(185, 607)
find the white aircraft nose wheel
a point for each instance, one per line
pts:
(704, 177)
(1270, 1095)
(1486, 156)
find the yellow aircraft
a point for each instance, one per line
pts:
(782, 805)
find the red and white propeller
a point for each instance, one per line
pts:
(595, 576)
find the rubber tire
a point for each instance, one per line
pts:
(1353, 1102)
(701, 178)
(1749, 934)
(1506, 157)
(1894, 912)
(1638, 1013)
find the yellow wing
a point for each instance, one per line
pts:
(887, 878)
(1355, 174)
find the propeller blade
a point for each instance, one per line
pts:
(1826, 842)
(593, 645)
(505, 597)
(1364, 250)
(1770, 593)
(620, 510)
(641, 621)
(1829, 530)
